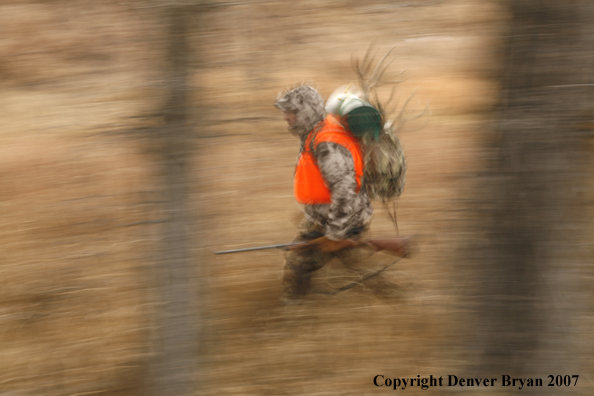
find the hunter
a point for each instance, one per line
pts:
(328, 182)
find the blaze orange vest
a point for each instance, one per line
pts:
(310, 187)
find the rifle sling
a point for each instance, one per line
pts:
(353, 284)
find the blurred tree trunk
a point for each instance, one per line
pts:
(538, 155)
(172, 369)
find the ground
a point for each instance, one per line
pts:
(81, 214)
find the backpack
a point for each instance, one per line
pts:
(385, 164)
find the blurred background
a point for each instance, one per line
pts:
(140, 136)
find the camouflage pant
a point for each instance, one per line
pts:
(300, 264)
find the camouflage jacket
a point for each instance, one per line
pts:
(349, 209)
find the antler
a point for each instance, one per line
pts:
(397, 122)
(370, 82)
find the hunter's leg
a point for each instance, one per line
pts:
(299, 268)
(300, 264)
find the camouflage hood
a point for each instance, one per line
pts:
(308, 106)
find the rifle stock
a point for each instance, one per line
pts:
(399, 246)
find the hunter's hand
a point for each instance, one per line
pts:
(330, 246)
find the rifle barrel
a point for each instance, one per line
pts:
(282, 245)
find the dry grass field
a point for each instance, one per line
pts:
(81, 220)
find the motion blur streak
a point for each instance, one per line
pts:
(140, 136)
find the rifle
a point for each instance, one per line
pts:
(399, 246)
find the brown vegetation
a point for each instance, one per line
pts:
(81, 188)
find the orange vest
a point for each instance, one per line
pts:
(310, 187)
